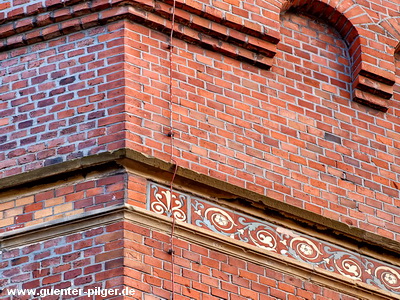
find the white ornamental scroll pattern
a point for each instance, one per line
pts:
(273, 238)
(383, 276)
(388, 276)
(167, 203)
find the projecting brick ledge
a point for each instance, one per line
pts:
(230, 35)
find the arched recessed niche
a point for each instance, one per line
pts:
(313, 59)
(373, 70)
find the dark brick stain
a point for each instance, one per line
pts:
(52, 161)
(333, 138)
(67, 80)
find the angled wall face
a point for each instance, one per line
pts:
(249, 110)
(62, 99)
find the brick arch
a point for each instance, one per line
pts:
(372, 80)
(342, 15)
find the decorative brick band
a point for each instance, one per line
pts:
(227, 34)
(161, 171)
(272, 238)
(97, 236)
(370, 252)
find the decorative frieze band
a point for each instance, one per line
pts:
(272, 238)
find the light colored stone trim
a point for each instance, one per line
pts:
(223, 193)
(195, 235)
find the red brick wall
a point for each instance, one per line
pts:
(87, 259)
(34, 206)
(61, 99)
(292, 132)
(89, 82)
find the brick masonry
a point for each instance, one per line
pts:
(260, 129)
(61, 99)
(294, 100)
(91, 258)
(128, 254)
(50, 202)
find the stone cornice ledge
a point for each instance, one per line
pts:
(221, 32)
(218, 191)
(195, 235)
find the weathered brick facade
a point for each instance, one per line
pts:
(255, 155)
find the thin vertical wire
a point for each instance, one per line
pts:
(171, 48)
(172, 160)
